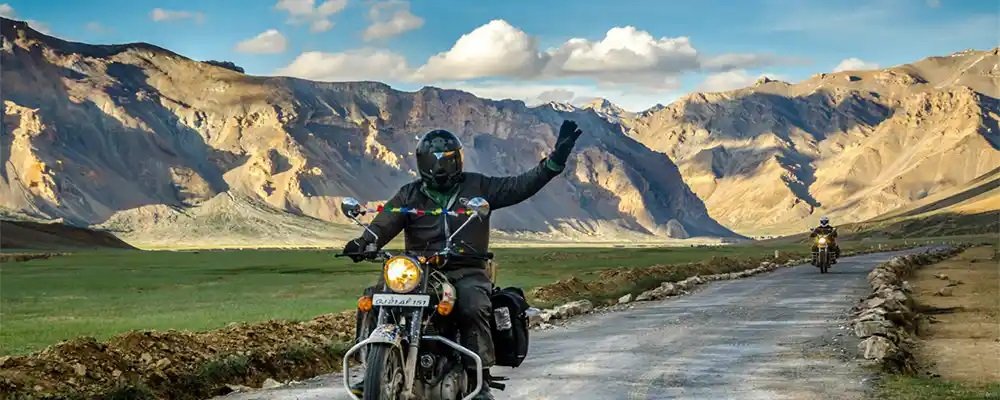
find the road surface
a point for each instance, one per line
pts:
(772, 336)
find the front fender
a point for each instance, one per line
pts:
(382, 334)
(388, 334)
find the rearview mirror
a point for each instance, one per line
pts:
(351, 207)
(479, 206)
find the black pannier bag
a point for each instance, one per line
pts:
(510, 326)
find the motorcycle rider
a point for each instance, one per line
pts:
(825, 228)
(444, 184)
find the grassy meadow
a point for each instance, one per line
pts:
(102, 293)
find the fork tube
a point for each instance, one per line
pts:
(411, 357)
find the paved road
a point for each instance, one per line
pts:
(772, 336)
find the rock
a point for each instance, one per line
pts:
(625, 299)
(146, 358)
(79, 369)
(3, 361)
(572, 308)
(238, 388)
(878, 348)
(905, 286)
(946, 291)
(645, 296)
(865, 329)
(940, 276)
(164, 362)
(545, 326)
(270, 384)
(116, 373)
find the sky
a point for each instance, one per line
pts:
(634, 53)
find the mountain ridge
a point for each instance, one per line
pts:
(95, 132)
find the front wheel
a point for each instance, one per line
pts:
(384, 373)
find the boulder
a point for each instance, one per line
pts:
(625, 299)
(942, 277)
(572, 308)
(878, 348)
(868, 328)
(270, 384)
(946, 291)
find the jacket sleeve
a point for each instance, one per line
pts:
(387, 225)
(510, 190)
(812, 233)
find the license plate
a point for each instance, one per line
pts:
(401, 300)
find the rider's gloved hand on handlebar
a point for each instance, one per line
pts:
(355, 249)
(568, 133)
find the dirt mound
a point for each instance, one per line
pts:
(179, 365)
(35, 235)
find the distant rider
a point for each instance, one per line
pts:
(444, 184)
(825, 228)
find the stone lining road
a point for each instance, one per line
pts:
(772, 336)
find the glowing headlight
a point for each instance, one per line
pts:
(821, 240)
(402, 274)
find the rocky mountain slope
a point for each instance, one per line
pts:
(773, 157)
(131, 136)
(970, 208)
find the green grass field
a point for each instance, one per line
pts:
(101, 294)
(899, 387)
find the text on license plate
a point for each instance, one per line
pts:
(401, 300)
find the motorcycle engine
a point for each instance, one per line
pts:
(450, 386)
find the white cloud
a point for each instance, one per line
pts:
(306, 11)
(731, 80)
(268, 42)
(854, 64)
(494, 49)
(389, 19)
(732, 61)
(727, 80)
(559, 95)
(162, 15)
(7, 11)
(353, 65)
(625, 55)
(933, 3)
(320, 25)
(96, 27)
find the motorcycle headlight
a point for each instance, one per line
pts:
(821, 240)
(402, 274)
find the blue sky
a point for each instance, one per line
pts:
(636, 53)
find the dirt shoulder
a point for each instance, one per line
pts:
(962, 343)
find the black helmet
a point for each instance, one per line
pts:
(439, 160)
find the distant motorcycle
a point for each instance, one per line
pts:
(411, 351)
(822, 256)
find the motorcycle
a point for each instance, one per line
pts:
(822, 256)
(412, 350)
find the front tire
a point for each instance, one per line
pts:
(384, 373)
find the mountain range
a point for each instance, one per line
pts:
(165, 150)
(141, 140)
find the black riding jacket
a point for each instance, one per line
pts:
(426, 234)
(824, 230)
